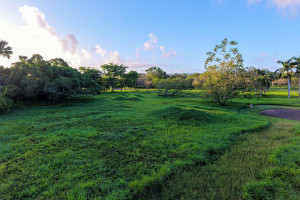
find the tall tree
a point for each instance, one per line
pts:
(130, 78)
(154, 74)
(5, 51)
(225, 76)
(112, 73)
(296, 64)
(286, 71)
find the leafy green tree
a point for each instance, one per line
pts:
(58, 62)
(112, 73)
(93, 73)
(286, 72)
(225, 75)
(154, 74)
(259, 79)
(37, 78)
(5, 51)
(170, 87)
(5, 102)
(130, 78)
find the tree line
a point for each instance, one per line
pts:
(36, 78)
(225, 77)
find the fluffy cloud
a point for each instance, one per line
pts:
(151, 42)
(86, 53)
(253, 1)
(37, 36)
(167, 54)
(100, 51)
(287, 6)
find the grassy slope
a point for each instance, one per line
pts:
(249, 163)
(224, 178)
(111, 146)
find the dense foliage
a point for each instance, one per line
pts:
(260, 80)
(5, 103)
(154, 74)
(170, 87)
(225, 76)
(37, 78)
(112, 73)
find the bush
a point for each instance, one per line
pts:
(5, 103)
(36, 78)
(170, 87)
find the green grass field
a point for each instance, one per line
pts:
(135, 144)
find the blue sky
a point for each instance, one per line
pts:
(174, 35)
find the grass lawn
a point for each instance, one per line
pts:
(245, 163)
(126, 144)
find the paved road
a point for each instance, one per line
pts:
(282, 113)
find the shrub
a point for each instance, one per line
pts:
(5, 103)
(170, 87)
(225, 75)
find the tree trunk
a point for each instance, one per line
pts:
(299, 85)
(289, 88)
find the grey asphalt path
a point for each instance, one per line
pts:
(282, 113)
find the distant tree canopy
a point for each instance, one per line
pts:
(130, 78)
(170, 87)
(38, 78)
(154, 74)
(259, 79)
(112, 73)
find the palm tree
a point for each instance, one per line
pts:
(296, 64)
(5, 51)
(286, 71)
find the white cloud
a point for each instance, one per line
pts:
(86, 53)
(35, 19)
(100, 51)
(115, 58)
(150, 44)
(287, 6)
(290, 7)
(253, 1)
(167, 54)
(37, 36)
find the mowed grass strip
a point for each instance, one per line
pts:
(112, 146)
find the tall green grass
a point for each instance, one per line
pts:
(112, 146)
(241, 172)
